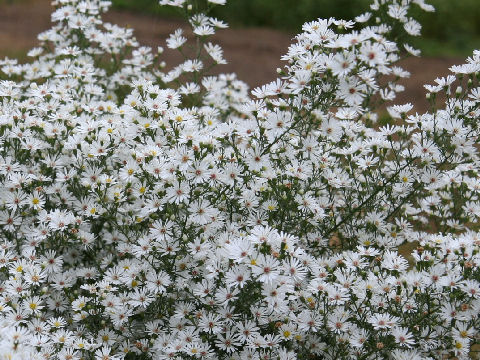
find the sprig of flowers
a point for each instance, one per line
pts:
(156, 215)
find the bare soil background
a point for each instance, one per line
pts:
(252, 53)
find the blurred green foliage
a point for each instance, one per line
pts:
(454, 25)
(454, 29)
(281, 14)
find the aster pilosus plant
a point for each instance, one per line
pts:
(158, 214)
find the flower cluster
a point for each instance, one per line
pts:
(172, 215)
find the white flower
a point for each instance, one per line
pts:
(178, 192)
(383, 321)
(266, 268)
(176, 39)
(403, 337)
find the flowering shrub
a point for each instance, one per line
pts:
(155, 215)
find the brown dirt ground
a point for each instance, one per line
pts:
(253, 53)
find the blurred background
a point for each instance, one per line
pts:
(262, 30)
(454, 29)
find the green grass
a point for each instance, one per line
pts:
(20, 55)
(459, 47)
(280, 14)
(144, 6)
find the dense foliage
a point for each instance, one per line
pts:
(157, 214)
